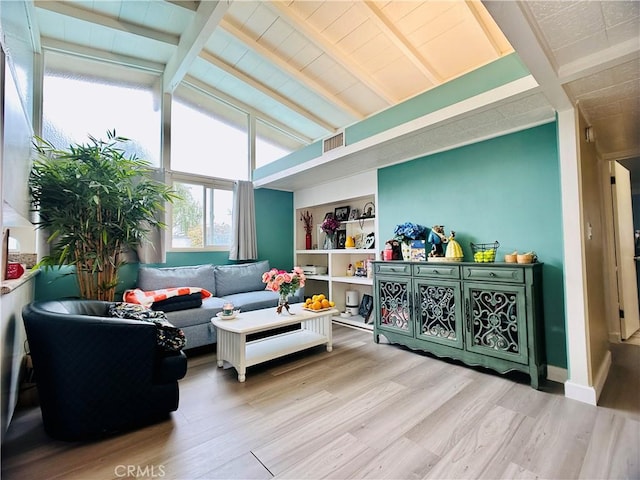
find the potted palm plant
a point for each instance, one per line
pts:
(94, 202)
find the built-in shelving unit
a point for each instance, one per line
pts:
(336, 282)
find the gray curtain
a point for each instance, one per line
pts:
(244, 245)
(153, 248)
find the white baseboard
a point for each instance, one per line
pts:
(585, 393)
(557, 374)
(580, 393)
(602, 374)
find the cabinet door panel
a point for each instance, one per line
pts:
(393, 305)
(439, 311)
(496, 320)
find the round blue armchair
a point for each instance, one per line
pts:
(98, 375)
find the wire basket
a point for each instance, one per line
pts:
(484, 252)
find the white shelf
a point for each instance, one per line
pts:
(260, 351)
(335, 283)
(353, 321)
(354, 280)
(344, 251)
(317, 277)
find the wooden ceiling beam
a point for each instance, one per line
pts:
(301, 26)
(290, 70)
(192, 41)
(401, 42)
(252, 82)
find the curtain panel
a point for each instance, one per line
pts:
(244, 243)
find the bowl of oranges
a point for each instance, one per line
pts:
(318, 303)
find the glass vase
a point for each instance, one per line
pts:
(283, 303)
(329, 241)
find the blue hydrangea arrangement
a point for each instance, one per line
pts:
(408, 231)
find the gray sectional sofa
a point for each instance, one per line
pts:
(239, 284)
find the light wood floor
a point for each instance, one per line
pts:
(361, 411)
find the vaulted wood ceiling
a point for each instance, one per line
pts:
(314, 67)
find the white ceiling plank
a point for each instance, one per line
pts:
(192, 41)
(400, 41)
(94, 53)
(103, 20)
(291, 70)
(266, 90)
(330, 50)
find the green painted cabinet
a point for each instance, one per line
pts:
(488, 315)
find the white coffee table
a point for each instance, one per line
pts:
(232, 346)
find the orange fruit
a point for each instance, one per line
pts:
(332, 304)
(316, 305)
(325, 303)
(321, 297)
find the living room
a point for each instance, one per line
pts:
(490, 174)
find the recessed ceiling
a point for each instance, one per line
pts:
(315, 67)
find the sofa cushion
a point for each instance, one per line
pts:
(197, 316)
(246, 277)
(181, 302)
(154, 278)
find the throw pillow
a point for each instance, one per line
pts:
(168, 337)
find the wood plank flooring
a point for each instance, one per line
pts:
(362, 411)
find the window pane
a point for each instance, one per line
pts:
(202, 217)
(222, 208)
(273, 144)
(77, 104)
(187, 216)
(209, 138)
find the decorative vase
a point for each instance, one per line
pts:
(329, 241)
(307, 240)
(406, 251)
(283, 303)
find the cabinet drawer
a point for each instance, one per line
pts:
(438, 271)
(393, 268)
(509, 275)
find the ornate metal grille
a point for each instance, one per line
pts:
(394, 304)
(437, 311)
(495, 320)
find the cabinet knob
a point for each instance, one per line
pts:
(492, 274)
(436, 272)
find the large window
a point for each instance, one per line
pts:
(77, 103)
(208, 137)
(201, 219)
(272, 144)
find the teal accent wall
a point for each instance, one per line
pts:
(274, 211)
(274, 226)
(505, 189)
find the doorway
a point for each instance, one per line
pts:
(626, 254)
